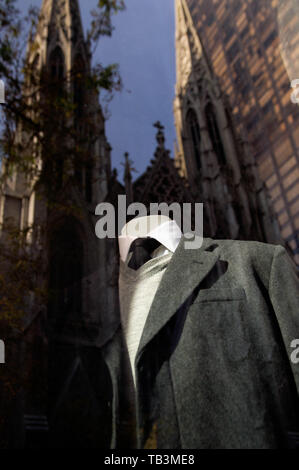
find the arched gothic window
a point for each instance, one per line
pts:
(194, 135)
(79, 95)
(66, 272)
(57, 65)
(214, 133)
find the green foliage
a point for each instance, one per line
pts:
(101, 24)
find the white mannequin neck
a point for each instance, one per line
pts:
(140, 227)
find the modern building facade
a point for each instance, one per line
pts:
(252, 47)
(212, 153)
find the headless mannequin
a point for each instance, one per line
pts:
(137, 288)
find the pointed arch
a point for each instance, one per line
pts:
(214, 133)
(194, 135)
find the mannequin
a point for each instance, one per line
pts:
(203, 356)
(137, 288)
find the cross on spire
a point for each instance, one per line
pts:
(159, 126)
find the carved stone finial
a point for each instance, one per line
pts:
(127, 165)
(160, 134)
(128, 178)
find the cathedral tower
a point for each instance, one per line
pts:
(61, 53)
(61, 338)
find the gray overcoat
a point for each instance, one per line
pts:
(216, 365)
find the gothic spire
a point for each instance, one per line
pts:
(189, 49)
(63, 14)
(60, 25)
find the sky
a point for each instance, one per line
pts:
(143, 46)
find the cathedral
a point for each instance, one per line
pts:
(64, 402)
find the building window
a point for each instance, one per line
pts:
(194, 135)
(66, 272)
(214, 133)
(270, 39)
(57, 65)
(12, 213)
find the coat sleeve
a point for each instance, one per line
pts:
(284, 295)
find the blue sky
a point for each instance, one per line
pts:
(143, 45)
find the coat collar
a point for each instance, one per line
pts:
(186, 269)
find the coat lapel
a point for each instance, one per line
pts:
(112, 353)
(186, 270)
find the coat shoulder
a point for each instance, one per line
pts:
(249, 256)
(252, 248)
